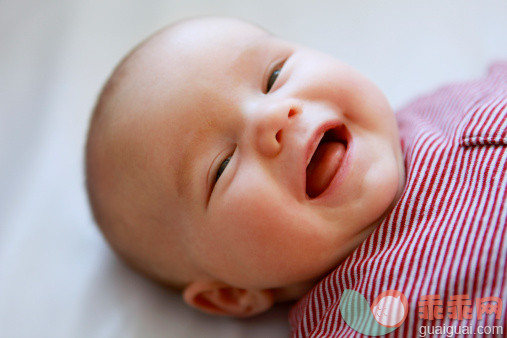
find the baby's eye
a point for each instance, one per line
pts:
(272, 79)
(222, 168)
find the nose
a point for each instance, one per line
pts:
(270, 122)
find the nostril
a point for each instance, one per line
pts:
(278, 136)
(292, 112)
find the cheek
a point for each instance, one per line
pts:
(267, 240)
(385, 184)
(382, 177)
(365, 104)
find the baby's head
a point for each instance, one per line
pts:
(237, 166)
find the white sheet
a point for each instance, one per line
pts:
(57, 276)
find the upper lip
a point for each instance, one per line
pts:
(315, 140)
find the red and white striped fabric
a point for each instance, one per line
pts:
(447, 235)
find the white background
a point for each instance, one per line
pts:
(57, 276)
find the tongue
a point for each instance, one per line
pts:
(323, 166)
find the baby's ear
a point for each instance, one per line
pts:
(221, 299)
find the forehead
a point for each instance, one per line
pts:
(212, 32)
(186, 71)
(204, 44)
(183, 63)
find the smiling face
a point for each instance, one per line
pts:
(262, 163)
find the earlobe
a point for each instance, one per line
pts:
(221, 299)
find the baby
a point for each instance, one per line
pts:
(239, 167)
(245, 170)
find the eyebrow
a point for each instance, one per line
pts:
(186, 168)
(183, 179)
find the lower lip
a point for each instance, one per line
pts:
(340, 174)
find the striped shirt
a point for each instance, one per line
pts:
(447, 235)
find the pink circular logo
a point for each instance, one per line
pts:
(390, 308)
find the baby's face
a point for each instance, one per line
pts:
(270, 162)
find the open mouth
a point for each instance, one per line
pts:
(326, 161)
